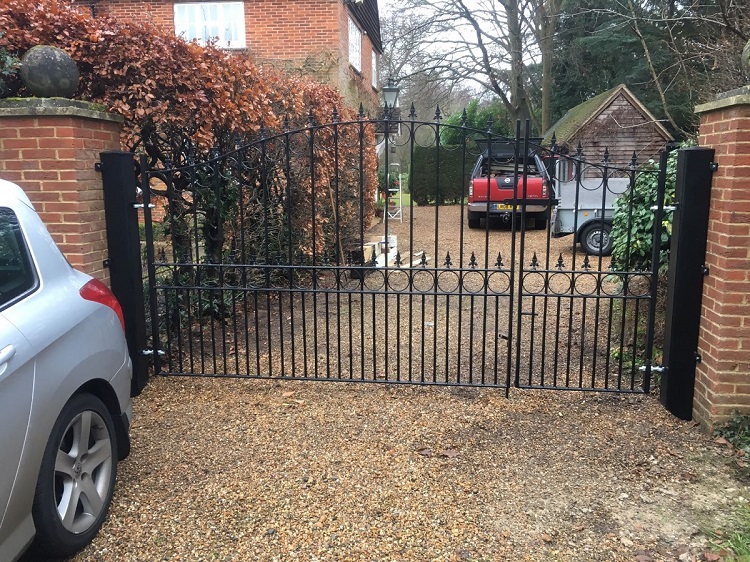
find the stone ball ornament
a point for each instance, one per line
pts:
(49, 72)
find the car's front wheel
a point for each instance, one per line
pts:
(76, 479)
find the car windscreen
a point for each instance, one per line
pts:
(17, 276)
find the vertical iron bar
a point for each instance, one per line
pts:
(314, 269)
(363, 270)
(437, 271)
(149, 231)
(386, 244)
(288, 208)
(410, 367)
(661, 188)
(514, 344)
(337, 250)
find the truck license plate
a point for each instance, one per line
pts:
(500, 207)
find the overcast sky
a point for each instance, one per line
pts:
(384, 6)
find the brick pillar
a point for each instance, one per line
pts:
(49, 148)
(723, 377)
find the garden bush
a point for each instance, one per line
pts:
(183, 103)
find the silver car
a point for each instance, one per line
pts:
(65, 403)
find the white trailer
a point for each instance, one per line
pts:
(585, 204)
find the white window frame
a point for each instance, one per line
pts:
(355, 45)
(203, 21)
(374, 69)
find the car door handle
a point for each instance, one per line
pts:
(6, 353)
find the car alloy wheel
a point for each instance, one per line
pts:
(77, 476)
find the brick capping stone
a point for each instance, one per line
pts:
(49, 146)
(722, 382)
(738, 96)
(18, 107)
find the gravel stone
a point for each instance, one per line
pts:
(266, 470)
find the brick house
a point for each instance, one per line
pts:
(335, 41)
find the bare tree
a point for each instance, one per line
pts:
(405, 60)
(500, 46)
(703, 41)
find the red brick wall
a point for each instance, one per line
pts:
(308, 36)
(723, 376)
(52, 158)
(158, 12)
(291, 30)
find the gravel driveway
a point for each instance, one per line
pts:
(245, 470)
(263, 470)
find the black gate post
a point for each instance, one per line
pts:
(124, 254)
(695, 168)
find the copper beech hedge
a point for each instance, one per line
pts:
(180, 100)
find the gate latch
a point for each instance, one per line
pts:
(666, 208)
(654, 369)
(142, 206)
(148, 352)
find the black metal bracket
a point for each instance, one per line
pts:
(714, 166)
(705, 270)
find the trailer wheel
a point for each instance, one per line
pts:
(596, 239)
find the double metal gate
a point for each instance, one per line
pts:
(274, 259)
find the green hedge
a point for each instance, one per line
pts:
(455, 170)
(633, 222)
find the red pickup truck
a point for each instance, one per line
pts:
(492, 182)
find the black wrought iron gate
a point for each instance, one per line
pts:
(344, 252)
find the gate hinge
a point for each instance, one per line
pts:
(98, 166)
(148, 352)
(698, 358)
(714, 166)
(106, 263)
(704, 270)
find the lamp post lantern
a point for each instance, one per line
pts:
(390, 94)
